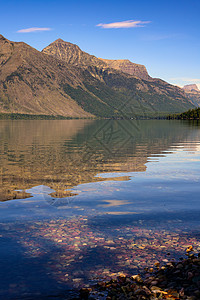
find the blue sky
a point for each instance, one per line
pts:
(162, 35)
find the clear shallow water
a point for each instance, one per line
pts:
(100, 197)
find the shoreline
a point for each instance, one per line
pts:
(17, 116)
(173, 280)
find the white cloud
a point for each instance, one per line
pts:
(124, 24)
(186, 80)
(33, 29)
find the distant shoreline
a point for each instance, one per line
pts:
(18, 116)
(189, 115)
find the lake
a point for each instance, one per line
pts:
(83, 200)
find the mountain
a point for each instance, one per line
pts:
(72, 54)
(191, 87)
(193, 93)
(146, 96)
(30, 82)
(64, 80)
(127, 66)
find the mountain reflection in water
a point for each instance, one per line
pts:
(63, 154)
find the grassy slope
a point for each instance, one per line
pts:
(117, 95)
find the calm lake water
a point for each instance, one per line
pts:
(82, 200)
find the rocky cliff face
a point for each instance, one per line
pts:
(193, 93)
(191, 87)
(127, 66)
(72, 83)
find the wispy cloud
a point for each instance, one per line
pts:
(187, 80)
(33, 29)
(124, 24)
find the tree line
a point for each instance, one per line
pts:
(191, 114)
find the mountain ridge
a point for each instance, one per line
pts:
(72, 54)
(75, 56)
(191, 87)
(35, 82)
(126, 66)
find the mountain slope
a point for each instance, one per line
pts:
(30, 82)
(193, 93)
(121, 84)
(38, 83)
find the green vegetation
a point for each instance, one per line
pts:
(191, 114)
(117, 96)
(16, 116)
(88, 101)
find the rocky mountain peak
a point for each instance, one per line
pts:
(71, 53)
(191, 87)
(63, 43)
(59, 41)
(193, 93)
